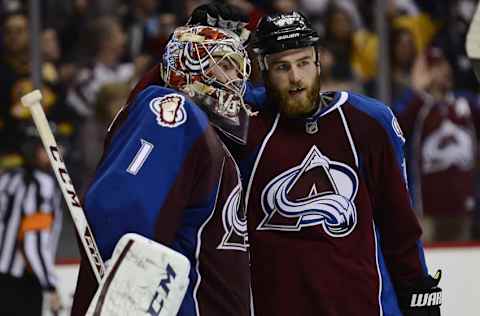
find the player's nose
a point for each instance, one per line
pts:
(294, 75)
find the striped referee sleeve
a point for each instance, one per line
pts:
(12, 191)
(39, 229)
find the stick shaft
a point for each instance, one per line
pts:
(66, 186)
(472, 44)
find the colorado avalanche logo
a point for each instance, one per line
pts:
(396, 126)
(234, 223)
(169, 110)
(200, 59)
(316, 192)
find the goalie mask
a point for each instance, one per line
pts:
(211, 66)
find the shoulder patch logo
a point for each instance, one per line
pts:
(398, 130)
(169, 110)
(396, 126)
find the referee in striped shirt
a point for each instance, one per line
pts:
(30, 223)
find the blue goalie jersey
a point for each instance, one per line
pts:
(166, 175)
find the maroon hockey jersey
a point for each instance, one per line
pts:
(331, 228)
(442, 152)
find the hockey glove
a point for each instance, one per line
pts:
(423, 298)
(223, 16)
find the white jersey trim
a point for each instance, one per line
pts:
(222, 244)
(341, 100)
(257, 161)
(349, 136)
(380, 281)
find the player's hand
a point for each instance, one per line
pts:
(223, 16)
(423, 298)
(421, 74)
(54, 302)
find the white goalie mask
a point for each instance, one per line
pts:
(212, 67)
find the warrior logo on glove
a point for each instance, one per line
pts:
(316, 192)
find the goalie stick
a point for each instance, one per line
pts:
(32, 101)
(472, 44)
(144, 277)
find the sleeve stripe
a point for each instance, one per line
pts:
(45, 255)
(9, 242)
(31, 244)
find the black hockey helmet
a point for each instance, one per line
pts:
(281, 31)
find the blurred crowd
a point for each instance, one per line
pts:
(94, 51)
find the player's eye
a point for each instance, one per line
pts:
(227, 66)
(304, 63)
(282, 67)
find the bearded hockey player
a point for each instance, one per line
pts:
(166, 175)
(330, 223)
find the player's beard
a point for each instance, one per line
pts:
(295, 107)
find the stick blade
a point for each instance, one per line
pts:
(143, 278)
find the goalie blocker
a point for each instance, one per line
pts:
(423, 298)
(161, 279)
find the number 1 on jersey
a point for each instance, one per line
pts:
(140, 157)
